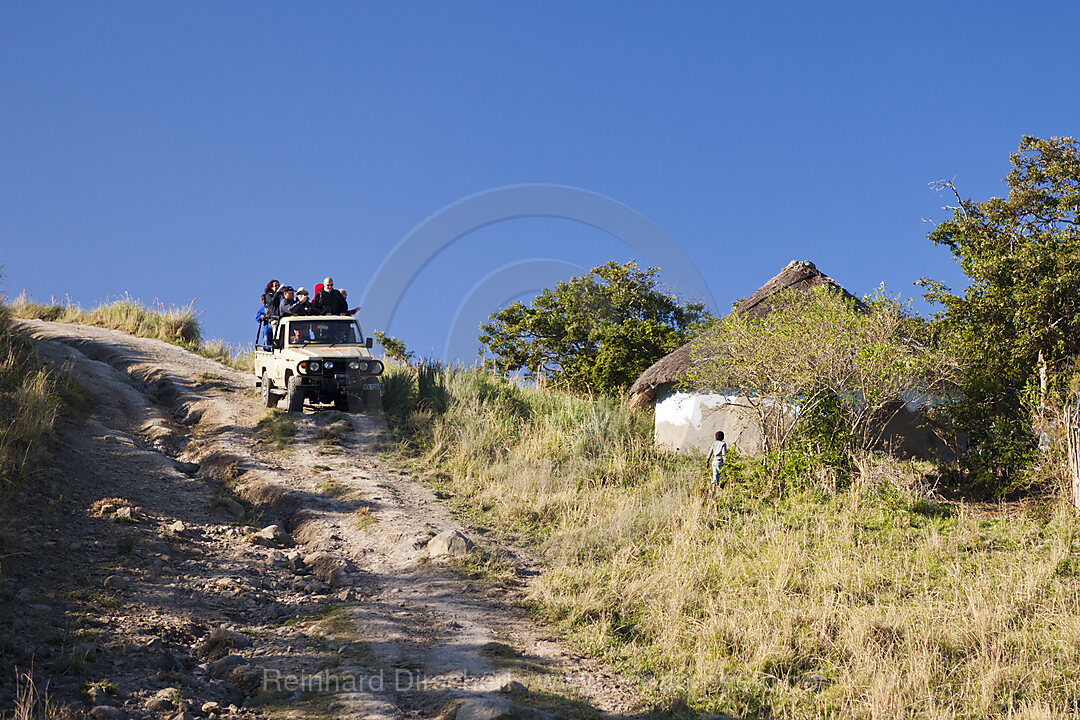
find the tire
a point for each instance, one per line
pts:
(268, 397)
(294, 395)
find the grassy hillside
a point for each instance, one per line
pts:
(179, 326)
(860, 601)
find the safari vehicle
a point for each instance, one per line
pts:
(320, 358)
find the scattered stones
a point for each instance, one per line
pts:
(163, 699)
(210, 707)
(107, 509)
(125, 513)
(99, 696)
(326, 567)
(107, 712)
(271, 536)
(513, 688)
(484, 709)
(183, 715)
(449, 542)
(217, 643)
(248, 678)
(225, 583)
(170, 663)
(116, 583)
(177, 527)
(221, 668)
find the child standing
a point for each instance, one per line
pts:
(716, 456)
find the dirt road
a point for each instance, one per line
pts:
(146, 579)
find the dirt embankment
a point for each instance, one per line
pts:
(171, 562)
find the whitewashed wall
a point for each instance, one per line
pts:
(687, 422)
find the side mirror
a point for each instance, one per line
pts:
(369, 343)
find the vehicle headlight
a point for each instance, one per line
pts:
(328, 365)
(302, 367)
(313, 366)
(354, 365)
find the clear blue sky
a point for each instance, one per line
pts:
(192, 150)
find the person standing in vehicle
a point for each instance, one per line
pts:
(271, 288)
(288, 302)
(303, 304)
(265, 333)
(345, 295)
(328, 301)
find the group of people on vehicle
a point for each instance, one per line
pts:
(280, 301)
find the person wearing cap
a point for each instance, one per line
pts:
(328, 301)
(303, 304)
(287, 302)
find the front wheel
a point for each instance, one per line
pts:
(268, 397)
(294, 394)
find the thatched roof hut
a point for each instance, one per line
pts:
(801, 275)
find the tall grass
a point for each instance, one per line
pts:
(30, 399)
(177, 325)
(32, 703)
(171, 324)
(867, 602)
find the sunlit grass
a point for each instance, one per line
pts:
(864, 602)
(177, 325)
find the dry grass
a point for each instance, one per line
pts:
(276, 428)
(30, 400)
(32, 703)
(178, 325)
(864, 602)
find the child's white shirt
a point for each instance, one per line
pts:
(718, 452)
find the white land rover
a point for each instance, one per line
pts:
(321, 358)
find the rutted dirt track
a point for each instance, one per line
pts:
(344, 616)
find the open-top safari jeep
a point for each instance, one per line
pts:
(320, 358)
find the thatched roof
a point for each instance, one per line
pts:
(801, 275)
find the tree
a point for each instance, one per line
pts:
(1017, 323)
(594, 333)
(815, 360)
(395, 349)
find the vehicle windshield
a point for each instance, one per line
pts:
(324, 332)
